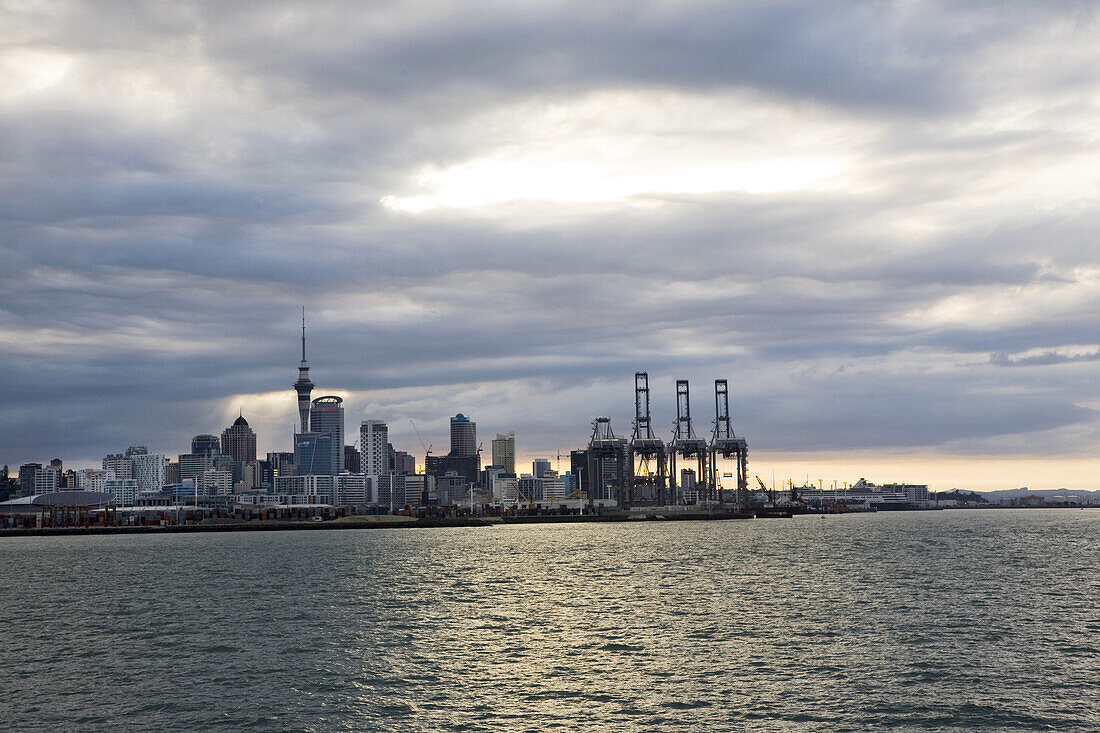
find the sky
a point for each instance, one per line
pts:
(877, 220)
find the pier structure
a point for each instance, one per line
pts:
(646, 449)
(725, 444)
(687, 445)
(609, 467)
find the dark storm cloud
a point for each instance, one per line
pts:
(199, 171)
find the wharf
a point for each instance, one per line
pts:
(371, 522)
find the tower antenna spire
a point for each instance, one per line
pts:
(303, 334)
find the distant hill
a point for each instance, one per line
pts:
(996, 496)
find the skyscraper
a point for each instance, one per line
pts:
(148, 471)
(373, 447)
(504, 452)
(326, 417)
(313, 454)
(205, 443)
(539, 467)
(303, 386)
(239, 441)
(463, 436)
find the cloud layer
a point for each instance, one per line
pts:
(879, 222)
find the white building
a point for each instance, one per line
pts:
(554, 487)
(123, 491)
(90, 479)
(374, 449)
(216, 483)
(148, 471)
(506, 490)
(46, 480)
(353, 489)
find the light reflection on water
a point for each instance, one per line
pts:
(911, 621)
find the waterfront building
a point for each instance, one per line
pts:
(464, 466)
(506, 489)
(504, 451)
(553, 486)
(353, 489)
(148, 471)
(578, 466)
(318, 489)
(530, 489)
(326, 417)
(239, 441)
(216, 483)
(47, 480)
(463, 436)
(313, 454)
(418, 488)
(539, 467)
(123, 491)
(451, 488)
(374, 447)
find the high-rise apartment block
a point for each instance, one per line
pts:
(374, 447)
(504, 452)
(148, 471)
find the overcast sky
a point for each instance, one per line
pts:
(877, 220)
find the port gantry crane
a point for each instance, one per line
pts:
(685, 444)
(607, 463)
(727, 445)
(645, 446)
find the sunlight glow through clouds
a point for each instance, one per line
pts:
(615, 147)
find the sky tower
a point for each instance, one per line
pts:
(303, 386)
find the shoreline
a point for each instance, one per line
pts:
(390, 522)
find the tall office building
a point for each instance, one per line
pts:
(206, 444)
(463, 436)
(374, 447)
(540, 467)
(303, 387)
(353, 462)
(313, 454)
(504, 452)
(26, 478)
(239, 441)
(148, 471)
(326, 417)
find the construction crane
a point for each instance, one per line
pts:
(426, 446)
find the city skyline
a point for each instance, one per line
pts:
(879, 223)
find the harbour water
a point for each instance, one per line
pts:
(954, 620)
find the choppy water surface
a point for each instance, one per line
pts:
(908, 621)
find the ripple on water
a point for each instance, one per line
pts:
(909, 622)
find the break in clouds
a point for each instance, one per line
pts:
(878, 221)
